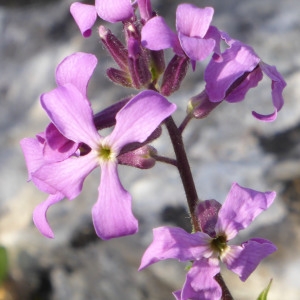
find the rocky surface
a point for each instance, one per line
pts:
(230, 145)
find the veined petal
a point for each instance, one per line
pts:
(172, 242)
(85, 17)
(76, 69)
(40, 217)
(221, 73)
(112, 214)
(114, 11)
(67, 176)
(157, 35)
(196, 48)
(193, 21)
(244, 259)
(139, 118)
(200, 283)
(71, 114)
(240, 208)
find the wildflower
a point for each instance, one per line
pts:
(195, 37)
(230, 75)
(71, 114)
(219, 224)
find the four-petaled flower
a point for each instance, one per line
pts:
(195, 37)
(219, 224)
(70, 111)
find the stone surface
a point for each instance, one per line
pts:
(230, 145)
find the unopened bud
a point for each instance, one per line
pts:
(139, 158)
(119, 77)
(174, 74)
(115, 47)
(200, 105)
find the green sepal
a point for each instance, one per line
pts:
(264, 294)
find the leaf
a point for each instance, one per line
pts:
(3, 264)
(263, 295)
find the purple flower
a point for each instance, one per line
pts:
(195, 37)
(219, 224)
(230, 75)
(71, 113)
(85, 15)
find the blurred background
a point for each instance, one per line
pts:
(230, 145)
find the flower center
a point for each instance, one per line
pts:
(105, 153)
(219, 244)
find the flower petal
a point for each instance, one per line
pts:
(57, 147)
(157, 35)
(200, 283)
(222, 72)
(207, 214)
(114, 11)
(240, 208)
(196, 48)
(278, 84)
(112, 214)
(193, 21)
(67, 176)
(40, 217)
(71, 114)
(244, 259)
(139, 118)
(76, 69)
(33, 152)
(85, 16)
(172, 242)
(250, 81)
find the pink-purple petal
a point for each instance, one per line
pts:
(221, 73)
(157, 35)
(193, 21)
(57, 147)
(112, 214)
(85, 16)
(240, 208)
(114, 11)
(200, 283)
(139, 118)
(40, 214)
(76, 69)
(67, 176)
(244, 259)
(176, 243)
(71, 114)
(196, 48)
(33, 152)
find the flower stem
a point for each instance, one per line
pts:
(184, 169)
(226, 295)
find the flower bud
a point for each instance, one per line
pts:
(139, 158)
(115, 47)
(174, 74)
(200, 105)
(119, 77)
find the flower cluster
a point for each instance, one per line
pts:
(71, 147)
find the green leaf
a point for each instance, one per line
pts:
(263, 295)
(3, 264)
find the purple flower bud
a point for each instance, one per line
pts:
(115, 47)
(139, 158)
(119, 77)
(174, 74)
(200, 106)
